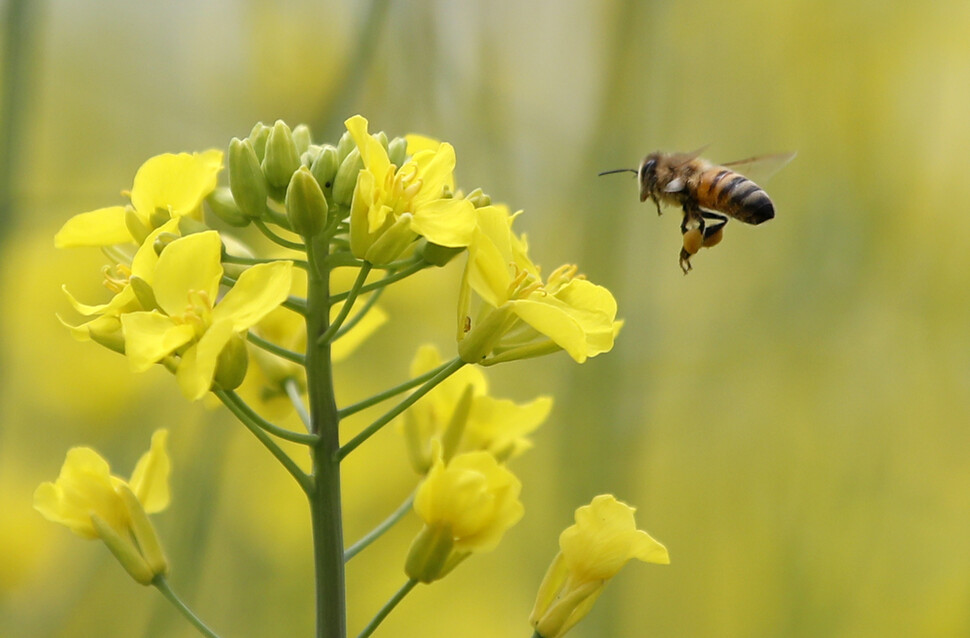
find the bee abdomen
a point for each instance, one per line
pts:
(733, 194)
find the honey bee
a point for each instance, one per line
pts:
(708, 193)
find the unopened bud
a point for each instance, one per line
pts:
(345, 145)
(397, 151)
(478, 198)
(306, 205)
(324, 168)
(246, 180)
(232, 363)
(346, 179)
(258, 137)
(301, 138)
(282, 157)
(224, 207)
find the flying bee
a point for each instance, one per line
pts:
(708, 193)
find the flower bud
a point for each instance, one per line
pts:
(438, 255)
(478, 198)
(429, 553)
(346, 179)
(232, 363)
(258, 137)
(392, 242)
(324, 168)
(223, 206)
(135, 225)
(246, 179)
(124, 550)
(301, 138)
(397, 151)
(306, 205)
(282, 157)
(345, 145)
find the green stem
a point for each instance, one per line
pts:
(390, 279)
(388, 608)
(256, 419)
(353, 321)
(252, 261)
(450, 368)
(293, 392)
(276, 239)
(288, 464)
(325, 507)
(387, 394)
(378, 531)
(279, 351)
(347, 306)
(162, 585)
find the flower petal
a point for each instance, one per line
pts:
(176, 183)
(101, 227)
(446, 222)
(149, 481)
(188, 264)
(257, 292)
(197, 366)
(553, 320)
(371, 151)
(83, 487)
(150, 336)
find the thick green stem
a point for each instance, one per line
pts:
(325, 509)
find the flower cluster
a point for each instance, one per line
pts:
(193, 289)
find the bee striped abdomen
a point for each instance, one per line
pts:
(733, 194)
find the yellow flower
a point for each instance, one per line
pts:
(521, 315)
(393, 205)
(466, 505)
(127, 278)
(93, 503)
(189, 322)
(167, 186)
(459, 415)
(592, 551)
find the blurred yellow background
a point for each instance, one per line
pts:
(792, 419)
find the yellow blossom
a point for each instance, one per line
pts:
(188, 320)
(461, 416)
(392, 206)
(466, 506)
(166, 186)
(592, 551)
(520, 315)
(93, 503)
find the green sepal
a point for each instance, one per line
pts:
(306, 205)
(246, 180)
(224, 207)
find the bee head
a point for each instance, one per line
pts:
(648, 177)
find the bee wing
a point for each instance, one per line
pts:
(679, 159)
(761, 168)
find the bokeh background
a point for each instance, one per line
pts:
(792, 419)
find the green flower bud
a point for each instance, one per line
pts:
(224, 207)
(143, 293)
(162, 241)
(159, 216)
(324, 168)
(381, 137)
(397, 151)
(429, 553)
(124, 550)
(135, 225)
(346, 179)
(282, 157)
(232, 364)
(258, 137)
(438, 255)
(301, 137)
(478, 198)
(345, 145)
(310, 155)
(246, 180)
(306, 205)
(392, 243)
(144, 532)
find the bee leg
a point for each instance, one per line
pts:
(717, 222)
(685, 261)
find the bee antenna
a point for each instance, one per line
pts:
(617, 170)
